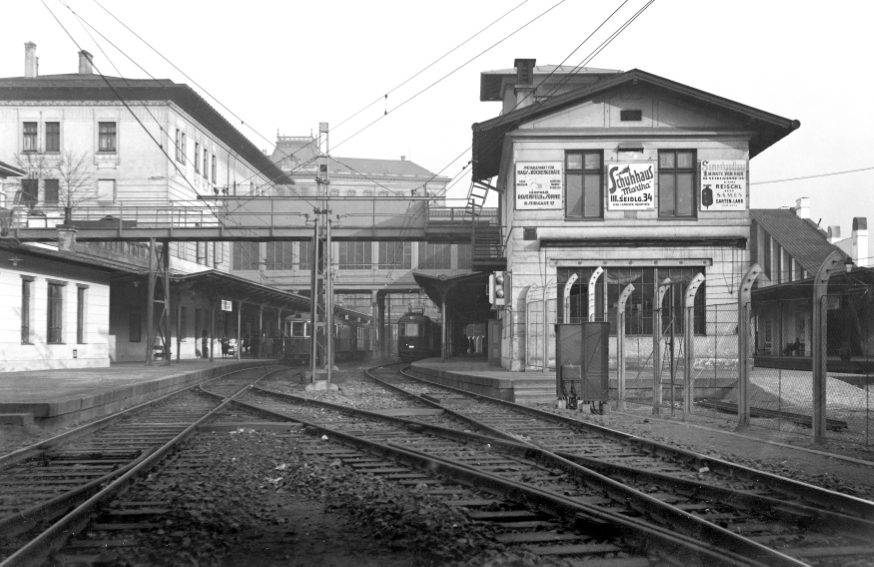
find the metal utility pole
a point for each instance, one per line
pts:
(322, 288)
(159, 268)
(820, 340)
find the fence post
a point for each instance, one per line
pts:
(657, 345)
(566, 301)
(820, 332)
(744, 296)
(595, 275)
(689, 335)
(620, 346)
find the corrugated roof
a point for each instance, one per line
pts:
(83, 87)
(800, 237)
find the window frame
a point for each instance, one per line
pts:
(29, 192)
(55, 312)
(180, 146)
(52, 139)
(107, 141)
(205, 163)
(196, 157)
(434, 256)
(29, 138)
(583, 172)
(676, 172)
(81, 298)
(56, 192)
(213, 169)
(26, 309)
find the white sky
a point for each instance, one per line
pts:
(289, 65)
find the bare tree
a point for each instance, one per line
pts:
(75, 180)
(36, 167)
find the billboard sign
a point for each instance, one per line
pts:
(539, 186)
(630, 187)
(723, 185)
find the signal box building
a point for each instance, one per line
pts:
(638, 175)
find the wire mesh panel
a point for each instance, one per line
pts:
(715, 364)
(539, 329)
(849, 349)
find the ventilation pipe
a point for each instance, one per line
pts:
(31, 61)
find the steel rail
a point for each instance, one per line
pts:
(691, 525)
(669, 540)
(828, 499)
(33, 450)
(51, 539)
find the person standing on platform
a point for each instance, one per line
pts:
(267, 346)
(204, 344)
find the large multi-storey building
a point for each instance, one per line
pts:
(93, 148)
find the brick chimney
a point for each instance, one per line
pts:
(834, 233)
(860, 242)
(31, 61)
(85, 65)
(524, 88)
(802, 207)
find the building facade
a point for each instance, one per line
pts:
(627, 177)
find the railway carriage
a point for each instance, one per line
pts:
(418, 336)
(352, 339)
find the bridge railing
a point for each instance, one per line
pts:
(458, 215)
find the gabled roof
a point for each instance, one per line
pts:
(94, 87)
(800, 237)
(488, 136)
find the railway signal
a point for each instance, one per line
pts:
(496, 288)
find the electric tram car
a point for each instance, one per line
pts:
(352, 338)
(418, 336)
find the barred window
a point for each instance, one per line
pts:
(246, 256)
(279, 256)
(435, 256)
(395, 256)
(305, 256)
(355, 255)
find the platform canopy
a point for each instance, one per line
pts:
(465, 290)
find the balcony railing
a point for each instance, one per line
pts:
(456, 215)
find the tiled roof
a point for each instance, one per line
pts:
(93, 87)
(800, 237)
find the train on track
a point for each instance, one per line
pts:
(418, 336)
(352, 338)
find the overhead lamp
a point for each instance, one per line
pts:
(15, 260)
(848, 264)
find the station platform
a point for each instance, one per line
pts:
(473, 374)
(55, 398)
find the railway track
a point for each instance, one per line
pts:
(518, 471)
(42, 482)
(811, 525)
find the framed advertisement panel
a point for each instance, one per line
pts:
(631, 186)
(539, 186)
(723, 185)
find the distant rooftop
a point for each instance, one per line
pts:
(293, 152)
(803, 239)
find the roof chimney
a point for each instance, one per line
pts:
(85, 65)
(524, 88)
(403, 158)
(860, 242)
(834, 233)
(31, 61)
(802, 207)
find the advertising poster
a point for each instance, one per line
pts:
(723, 185)
(630, 187)
(538, 186)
